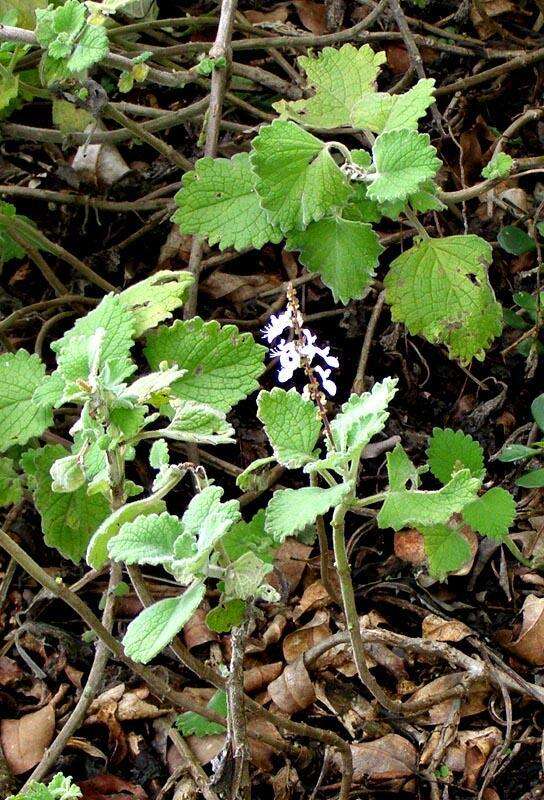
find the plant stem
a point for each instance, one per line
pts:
(350, 608)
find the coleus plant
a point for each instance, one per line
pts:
(323, 198)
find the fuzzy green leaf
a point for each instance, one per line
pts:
(21, 418)
(449, 451)
(68, 519)
(208, 519)
(155, 627)
(11, 490)
(218, 200)
(440, 289)
(152, 300)
(223, 618)
(91, 48)
(404, 161)
(73, 348)
(198, 422)
(244, 578)
(499, 167)
(345, 254)
(249, 536)
(403, 507)
(362, 417)
(446, 549)
(298, 181)
(339, 78)
(148, 540)
(492, 514)
(291, 424)
(222, 364)
(290, 511)
(97, 551)
(381, 112)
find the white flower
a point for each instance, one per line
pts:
(328, 385)
(289, 360)
(277, 324)
(310, 350)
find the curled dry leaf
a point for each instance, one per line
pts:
(10, 671)
(443, 630)
(293, 690)
(392, 757)
(315, 596)
(259, 677)
(196, 632)
(99, 164)
(285, 783)
(529, 644)
(25, 740)
(467, 754)
(237, 288)
(206, 748)
(105, 787)
(300, 640)
(290, 562)
(312, 16)
(272, 635)
(279, 13)
(436, 714)
(131, 707)
(76, 743)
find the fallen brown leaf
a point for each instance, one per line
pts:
(259, 677)
(474, 704)
(529, 644)
(25, 740)
(196, 632)
(312, 16)
(10, 671)
(300, 640)
(388, 758)
(293, 691)
(315, 596)
(444, 630)
(279, 13)
(290, 562)
(107, 787)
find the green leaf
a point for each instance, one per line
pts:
(200, 423)
(192, 724)
(59, 788)
(379, 111)
(537, 410)
(97, 550)
(68, 519)
(500, 166)
(68, 118)
(440, 289)
(344, 253)
(73, 348)
(90, 49)
(362, 417)
(516, 452)
(11, 490)
(152, 300)
(291, 424)
(218, 200)
(21, 418)
(148, 540)
(9, 88)
(298, 181)
(208, 519)
(222, 364)
(446, 549)
(515, 241)
(531, 480)
(492, 514)
(449, 451)
(403, 507)
(27, 230)
(339, 78)
(223, 618)
(158, 454)
(155, 627)
(290, 511)
(244, 578)
(404, 161)
(249, 536)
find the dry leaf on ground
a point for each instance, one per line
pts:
(443, 630)
(25, 740)
(529, 644)
(388, 758)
